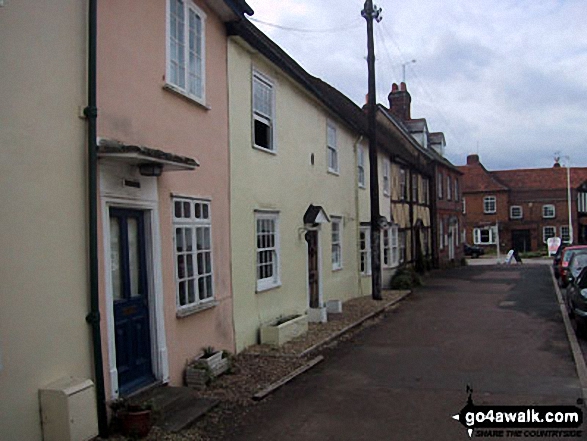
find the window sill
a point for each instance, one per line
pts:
(190, 310)
(365, 275)
(263, 149)
(177, 91)
(338, 268)
(268, 288)
(333, 172)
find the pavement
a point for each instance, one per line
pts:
(497, 328)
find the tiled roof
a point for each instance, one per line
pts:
(541, 178)
(477, 179)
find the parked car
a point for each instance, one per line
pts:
(557, 259)
(473, 250)
(576, 296)
(566, 257)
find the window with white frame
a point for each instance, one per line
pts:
(565, 236)
(489, 204)
(457, 193)
(402, 246)
(386, 176)
(394, 244)
(365, 250)
(336, 225)
(440, 186)
(441, 234)
(263, 112)
(267, 238)
(516, 212)
(448, 189)
(547, 233)
(361, 166)
(332, 147)
(582, 201)
(484, 236)
(186, 49)
(548, 211)
(386, 247)
(464, 206)
(403, 188)
(193, 252)
(415, 187)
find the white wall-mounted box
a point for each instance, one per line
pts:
(69, 410)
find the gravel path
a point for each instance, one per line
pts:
(261, 365)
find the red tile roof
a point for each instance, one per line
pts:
(477, 178)
(541, 178)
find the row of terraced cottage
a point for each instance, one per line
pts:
(172, 179)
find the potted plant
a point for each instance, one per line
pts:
(135, 418)
(209, 364)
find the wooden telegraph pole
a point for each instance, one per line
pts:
(370, 13)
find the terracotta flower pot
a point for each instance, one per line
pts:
(136, 423)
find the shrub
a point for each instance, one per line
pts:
(405, 278)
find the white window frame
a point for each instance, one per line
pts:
(336, 240)
(386, 177)
(547, 215)
(403, 184)
(477, 236)
(365, 251)
(175, 83)
(440, 183)
(261, 116)
(513, 208)
(488, 202)
(551, 228)
(564, 232)
(464, 205)
(448, 188)
(457, 195)
(582, 201)
(402, 253)
(441, 234)
(386, 247)
(361, 166)
(190, 222)
(274, 280)
(394, 244)
(332, 148)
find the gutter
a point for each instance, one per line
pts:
(93, 318)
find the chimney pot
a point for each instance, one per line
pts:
(394, 87)
(403, 86)
(472, 159)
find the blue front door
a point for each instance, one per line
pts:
(130, 297)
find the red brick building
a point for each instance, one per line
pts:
(522, 208)
(445, 185)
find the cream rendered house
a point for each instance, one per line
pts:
(44, 298)
(295, 222)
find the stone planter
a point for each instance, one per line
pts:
(334, 307)
(135, 423)
(200, 371)
(284, 330)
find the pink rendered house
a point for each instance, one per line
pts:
(163, 187)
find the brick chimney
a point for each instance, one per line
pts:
(400, 101)
(472, 159)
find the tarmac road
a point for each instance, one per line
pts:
(497, 328)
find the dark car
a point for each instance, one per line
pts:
(566, 258)
(473, 250)
(556, 260)
(576, 294)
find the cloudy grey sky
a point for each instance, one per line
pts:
(503, 78)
